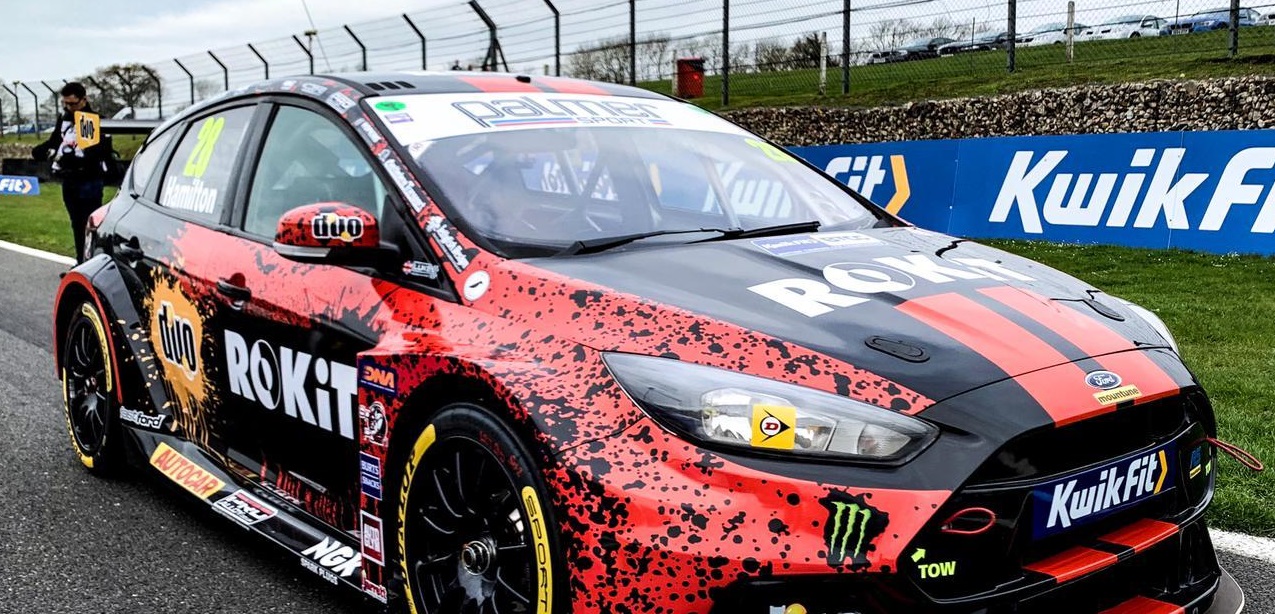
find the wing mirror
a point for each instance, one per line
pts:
(333, 233)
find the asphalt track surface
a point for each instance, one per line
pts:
(70, 542)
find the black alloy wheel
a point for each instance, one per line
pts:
(469, 536)
(88, 387)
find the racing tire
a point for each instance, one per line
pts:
(475, 531)
(89, 392)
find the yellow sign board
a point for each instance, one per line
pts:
(88, 129)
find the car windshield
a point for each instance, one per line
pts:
(535, 174)
(1127, 19)
(1049, 27)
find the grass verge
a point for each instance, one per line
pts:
(1219, 307)
(1193, 56)
(40, 221)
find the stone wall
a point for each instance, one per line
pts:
(1155, 106)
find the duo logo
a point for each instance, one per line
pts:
(865, 173)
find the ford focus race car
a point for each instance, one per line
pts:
(486, 343)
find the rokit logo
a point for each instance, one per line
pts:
(293, 379)
(888, 274)
(328, 226)
(179, 345)
(1098, 492)
(864, 174)
(1086, 199)
(331, 560)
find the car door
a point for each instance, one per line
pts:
(291, 345)
(164, 238)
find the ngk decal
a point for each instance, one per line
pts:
(848, 283)
(1153, 191)
(312, 389)
(330, 559)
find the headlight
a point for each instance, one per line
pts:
(715, 406)
(1154, 321)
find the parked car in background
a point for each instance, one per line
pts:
(1129, 26)
(1205, 21)
(918, 49)
(1054, 33)
(921, 48)
(979, 42)
(1267, 18)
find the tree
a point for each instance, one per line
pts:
(805, 52)
(770, 56)
(122, 85)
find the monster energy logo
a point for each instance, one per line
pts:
(852, 525)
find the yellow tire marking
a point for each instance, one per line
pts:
(902, 189)
(540, 538)
(423, 443)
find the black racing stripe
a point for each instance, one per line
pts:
(1068, 349)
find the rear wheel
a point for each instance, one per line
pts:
(474, 533)
(88, 390)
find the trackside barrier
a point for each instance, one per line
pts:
(1206, 191)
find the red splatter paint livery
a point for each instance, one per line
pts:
(319, 380)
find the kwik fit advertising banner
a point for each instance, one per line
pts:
(1208, 191)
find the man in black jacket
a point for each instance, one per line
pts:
(82, 171)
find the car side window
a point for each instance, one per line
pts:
(307, 159)
(199, 174)
(147, 160)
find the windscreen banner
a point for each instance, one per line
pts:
(1207, 191)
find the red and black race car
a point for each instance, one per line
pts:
(495, 343)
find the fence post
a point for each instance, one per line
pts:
(725, 53)
(52, 92)
(1, 115)
(225, 73)
(159, 92)
(189, 77)
(823, 63)
(362, 47)
(845, 47)
(35, 99)
(557, 39)
(1235, 28)
(17, 104)
(424, 64)
(308, 54)
(1012, 42)
(260, 57)
(632, 42)
(1071, 31)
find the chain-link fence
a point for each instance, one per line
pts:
(737, 52)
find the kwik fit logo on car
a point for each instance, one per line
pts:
(1097, 493)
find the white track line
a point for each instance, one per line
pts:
(41, 254)
(1260, 548)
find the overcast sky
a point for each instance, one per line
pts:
(60, 39)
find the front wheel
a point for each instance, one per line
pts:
(475, 532)
(88, 390)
